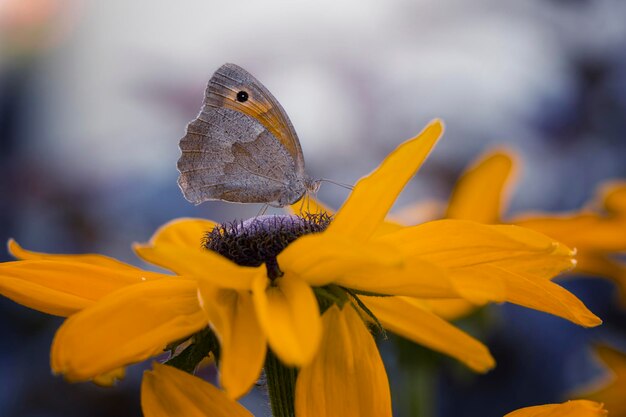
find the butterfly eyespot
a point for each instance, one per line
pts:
(242, 96)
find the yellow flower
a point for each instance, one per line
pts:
(610, 389)
(358, 269)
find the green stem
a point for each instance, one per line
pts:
(281, 384)
(418, 376)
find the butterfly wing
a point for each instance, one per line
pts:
(224, 86)
(227, 155)
(240, 151)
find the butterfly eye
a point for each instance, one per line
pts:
(242, 96)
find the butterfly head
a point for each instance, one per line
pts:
(312, 186)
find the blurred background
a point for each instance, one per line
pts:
(94, 97)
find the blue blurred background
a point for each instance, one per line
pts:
(94, 97)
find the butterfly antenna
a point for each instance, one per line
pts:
(340, 184)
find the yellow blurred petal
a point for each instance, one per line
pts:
(62, 287)
(289, 315)
(93, 259)
(450, 309)
(610, 389)
(416, 278)
(308, 204)
(127, 326)
(198, 262)
(599, 265)
(374, 194)
(322, 258)
(183, 232)
(169, 392)
(613, 195)
(411, 319)
(243, 344)
(479, 193)
(460, 243)
(577, 408)
(585, 232)
(347, 376)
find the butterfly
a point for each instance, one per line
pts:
(242, 146)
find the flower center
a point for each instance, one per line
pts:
(259, 240)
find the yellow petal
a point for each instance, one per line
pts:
(322, 258)
(347, 376)
(93, 259)
(475, 286)
(374, 194)
(289, 315)
(577, 408)
(464, 248)
(308, 204)
(543, 295)
(613, 195)
(498, 263)
(450, 309)
(600, 265)
(199, 263)
(127, 326)
(459, 243)
(184, 232)
(610, 389)
(243, 344)
(478, 194)
(169, 392)
(411, 319)
(368, 266)
(63, 287)
(586, 232)
(416, 278)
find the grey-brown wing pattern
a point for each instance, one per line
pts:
(230, 80)
(228, 155)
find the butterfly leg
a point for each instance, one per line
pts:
(264, 208)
